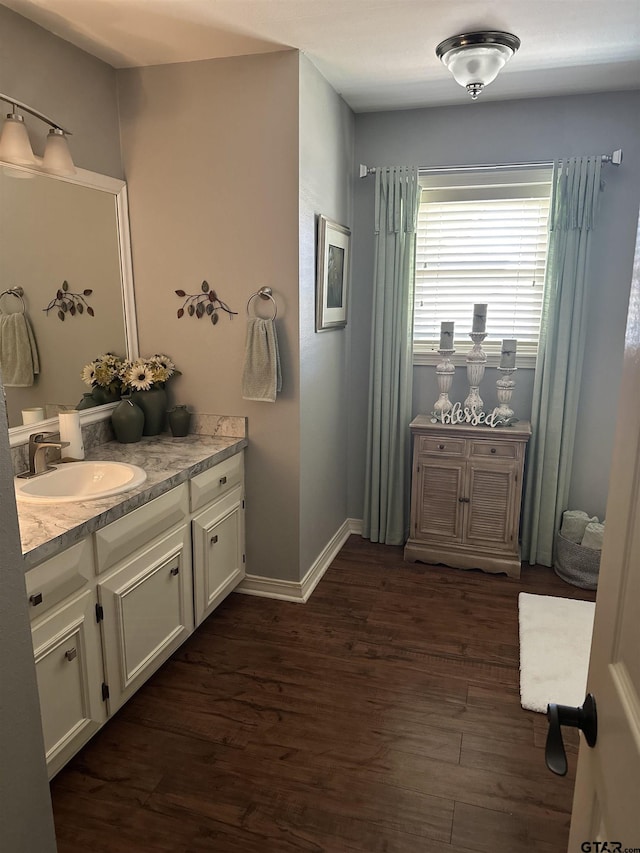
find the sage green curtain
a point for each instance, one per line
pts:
(387, 482)
(576, 191)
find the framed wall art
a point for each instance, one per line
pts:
(332, 280)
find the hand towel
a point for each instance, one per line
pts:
(593, 536)
(19, 362)
(574, 523)
(261, 377)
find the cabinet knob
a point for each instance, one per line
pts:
(35, 599)
(441, 447)
(214, 539)
(70, 654)
(175, 571)
(493, 450)
(223, 480)
(464, 500)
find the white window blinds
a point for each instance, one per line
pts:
(482, 238)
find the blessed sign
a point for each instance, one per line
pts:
(459, 415)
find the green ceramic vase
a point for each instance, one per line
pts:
(88, 402)
(154, 405)
(127, 420)
(104, 395)
(179, 420)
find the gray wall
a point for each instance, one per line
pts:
(507, 132)
(73, 88)
(79, 91)
(211, 159)
(326, 187)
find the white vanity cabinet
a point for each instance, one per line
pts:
(217, 499)
(108, 611)
(67, 651)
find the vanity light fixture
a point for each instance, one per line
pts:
(15, 146)
(475, 59)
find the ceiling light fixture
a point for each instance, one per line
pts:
(15, 146)
(475, 59)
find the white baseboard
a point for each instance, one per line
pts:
(299, 591)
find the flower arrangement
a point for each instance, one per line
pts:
(104, 372)
(143, 374)
(119, 375)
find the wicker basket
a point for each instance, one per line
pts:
(576, 564)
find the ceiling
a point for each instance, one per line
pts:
(378, 54)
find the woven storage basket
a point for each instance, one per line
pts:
(576, 564)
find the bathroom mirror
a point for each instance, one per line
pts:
(74, 230)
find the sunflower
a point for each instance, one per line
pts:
(89, 374)
(165, 364)
(140, 376)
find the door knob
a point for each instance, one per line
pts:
(583, 718)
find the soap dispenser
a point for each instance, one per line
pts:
(70, 431)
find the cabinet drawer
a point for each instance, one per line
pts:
(56, 579)
(217, 481)
(496, 450)
(441, 446)
(124, 537)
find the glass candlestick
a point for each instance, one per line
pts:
(504, 386)
(444, 372)
(476, 360)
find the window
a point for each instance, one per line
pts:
(482, 237)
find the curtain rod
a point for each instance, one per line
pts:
(615, 158)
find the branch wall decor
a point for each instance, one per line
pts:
(206, 302)
(70, 303)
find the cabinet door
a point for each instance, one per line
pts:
(490, 518)
(68, 658)
(218, 552)
(437, 509)
(147, 613)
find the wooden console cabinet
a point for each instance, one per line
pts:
(466, 492)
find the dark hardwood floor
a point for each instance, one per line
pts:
(383, 715)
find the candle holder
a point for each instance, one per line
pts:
(476, 360)
(444, 371)
(505, 385)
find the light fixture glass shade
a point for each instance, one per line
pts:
(475, 59)
(14, 142)
(57, 157)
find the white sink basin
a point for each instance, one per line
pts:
(80, 481)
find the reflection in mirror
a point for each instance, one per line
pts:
(55, 230)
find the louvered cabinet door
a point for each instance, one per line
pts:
(438, 512)
(490, 521)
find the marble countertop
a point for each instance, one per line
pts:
(46, 529)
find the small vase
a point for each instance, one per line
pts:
(88, 402)
(179, 420)
(154, 405)
(128, 421)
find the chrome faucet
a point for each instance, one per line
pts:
(38, 444)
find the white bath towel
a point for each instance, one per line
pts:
(19, 362)
(593, 536)
(574, 523)
(261, 377)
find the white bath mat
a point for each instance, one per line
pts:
(555, 641)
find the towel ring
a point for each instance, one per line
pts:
(18, 292)
(264, 293)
